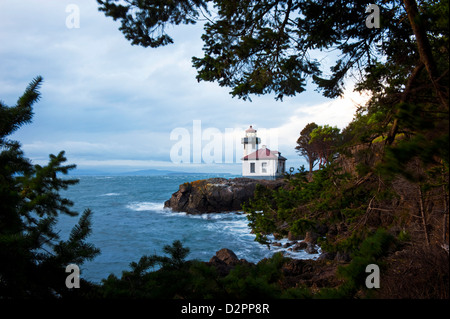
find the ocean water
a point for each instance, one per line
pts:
(129, 220)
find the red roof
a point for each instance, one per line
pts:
(264, 153)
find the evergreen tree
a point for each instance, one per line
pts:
(265, 46)
(324, 141)
(33, 258)
(305, 148)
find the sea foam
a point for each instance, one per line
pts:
(146, 206)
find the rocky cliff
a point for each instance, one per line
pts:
(215, 195)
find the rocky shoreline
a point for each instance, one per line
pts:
(216, 195)
(296, 272)
(307, 244)
(220, 195)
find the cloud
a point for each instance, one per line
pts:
(338, 112)
(105, 101)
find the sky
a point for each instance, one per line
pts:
(115, 107)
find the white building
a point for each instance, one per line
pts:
(260, 162)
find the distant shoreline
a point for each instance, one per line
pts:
(149, 172)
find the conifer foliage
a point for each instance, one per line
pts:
(33, 258)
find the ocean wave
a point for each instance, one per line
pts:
(146, 206)
(210, 216)
(300, 254)
(110, 194)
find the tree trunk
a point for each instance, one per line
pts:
(445, 216)
(424, 48)
(423, 217)
(311, 164)
(394, 129)
(444, 221)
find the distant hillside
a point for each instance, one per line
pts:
(147, 172)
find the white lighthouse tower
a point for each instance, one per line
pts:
(250, 141)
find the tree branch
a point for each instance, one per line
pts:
(394, 130)
(424, 48)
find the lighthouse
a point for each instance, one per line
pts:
(250, 141)
(261, 162)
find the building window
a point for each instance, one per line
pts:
(252, 167)
(264, 167)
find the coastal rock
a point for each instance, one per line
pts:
(225, 260)
(327, 256)
(291, 236)
(288, 244)
(311, 273)
(311, 237)
(311, 249)
(300, 246)
(215, 195)
(227, 256)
